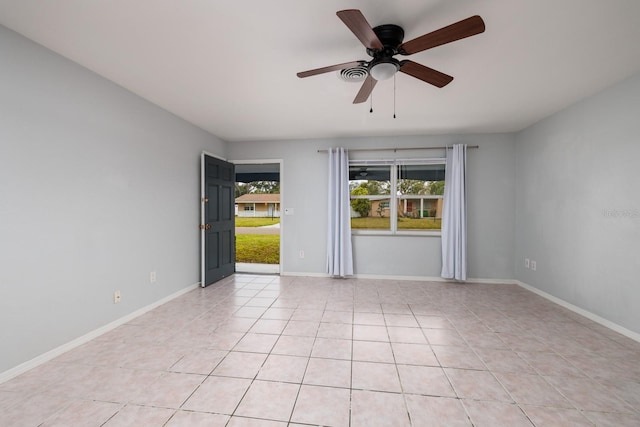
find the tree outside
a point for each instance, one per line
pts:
(412, 186)
(436, 188)
(257, 187)
(361, 206)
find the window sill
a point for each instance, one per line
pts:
(413, 233)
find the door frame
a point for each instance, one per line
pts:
(202, 212)
(280, 164)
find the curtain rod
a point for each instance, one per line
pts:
(399, 149)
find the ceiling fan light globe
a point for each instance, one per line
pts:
(383, 70)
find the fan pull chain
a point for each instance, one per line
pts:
(394, 96)
(371, 96)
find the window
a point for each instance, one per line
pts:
(248, 207)
(396, 196)
(370, 189)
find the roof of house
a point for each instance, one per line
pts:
(258, 198)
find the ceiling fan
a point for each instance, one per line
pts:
(385, 41)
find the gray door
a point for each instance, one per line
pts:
(218, 225)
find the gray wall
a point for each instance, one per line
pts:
(578, 204)
(98, 188)
(491, 176)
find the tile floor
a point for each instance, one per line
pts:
(275, 351)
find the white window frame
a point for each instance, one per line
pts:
(394, 198)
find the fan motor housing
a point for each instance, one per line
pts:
(391, 37)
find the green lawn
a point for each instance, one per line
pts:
(370, 222)
(255, 222)
(258, 248)
(403, 223)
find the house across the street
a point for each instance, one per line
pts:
(258, 205)
(412, 208)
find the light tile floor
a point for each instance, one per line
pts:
(274, 351)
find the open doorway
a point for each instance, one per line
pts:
(257, 211)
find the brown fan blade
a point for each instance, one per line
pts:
(460, 30)
(365, 90)
(357, 23)
(322, 70)
(425, 74)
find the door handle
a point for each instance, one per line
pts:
(205, 227)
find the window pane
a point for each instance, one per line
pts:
(420, 189)
(378, 217)
(370, 187)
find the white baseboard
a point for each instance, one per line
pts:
(49, 355)
(412, 278)
(602, 321)
(435, 279)
(305, 274)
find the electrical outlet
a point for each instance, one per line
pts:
(301, 254)
(526, 262)
(152, 277)
(116, 297)
(533, 265)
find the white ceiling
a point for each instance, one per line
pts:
(230, 66)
